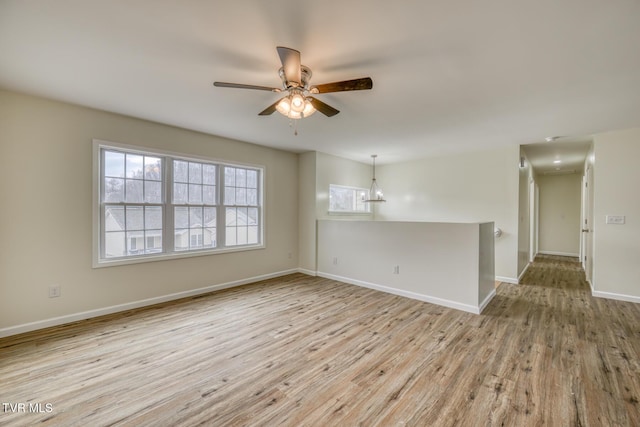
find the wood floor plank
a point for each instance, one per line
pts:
(308, 351)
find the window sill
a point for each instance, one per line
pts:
(174, 255)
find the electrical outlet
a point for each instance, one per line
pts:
(335, 260)
(396, 269)
(54, 291)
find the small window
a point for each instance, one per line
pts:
(343, 199)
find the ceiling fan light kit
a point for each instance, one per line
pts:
(298, 103)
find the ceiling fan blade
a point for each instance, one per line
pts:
(325, 109)
(242, 86)
(270, 109)
(290, 59)
(364, 83)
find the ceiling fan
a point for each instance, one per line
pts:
(298, 102)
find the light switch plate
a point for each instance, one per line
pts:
(615, 219)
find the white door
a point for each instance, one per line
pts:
(586, 235)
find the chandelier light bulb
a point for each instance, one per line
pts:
(284, 106)
(308, 108)
(297, 103)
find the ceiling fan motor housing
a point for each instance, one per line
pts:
(305, 76)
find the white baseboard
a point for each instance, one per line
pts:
(61, 320)
(487, 300)
(569, 254)
(307, 272)
(619, 297)
(507, 279)
(420, 297)
(521, 275)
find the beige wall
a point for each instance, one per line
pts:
(307, 211)
(468, 187)
(316, 172)
(46, 215)
(616, 269)
(560, 205)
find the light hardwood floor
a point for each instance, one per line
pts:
(300, 350)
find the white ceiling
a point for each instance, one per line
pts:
(562, 156)
(448, 75)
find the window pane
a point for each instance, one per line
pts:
(209, 174)
(135, 242)
(210, 239)
(252, 179)
(242, 235)
(230, 236)
(241, 177)
(195, 217)
(153, 168)
(134, 191)
(134, 166)
(181, 217)
(229, 196)
(114, 164)
(229, 176)
(181, 240)
(252, 197)
(195, 194)
(195, 173)
(195, 238)
(153, 217)
(180, 171)
(252, 235)
(209, 217)
(209, 194)
(153, 241)
(230, 216)
(134, 218)
(114, 218)
(114, 244)
(252, 216)
(241, 216)
(241, 196)
(114, 190)
(153, 191)
(180, 192)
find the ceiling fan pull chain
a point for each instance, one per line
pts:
(294, 124)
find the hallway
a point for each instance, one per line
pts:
(559, 272)
(584, 350)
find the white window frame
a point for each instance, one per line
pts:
(367, 206)
(168, 251)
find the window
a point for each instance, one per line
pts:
(155, 205)
(343, 199)
(194, 201)
(241, 205)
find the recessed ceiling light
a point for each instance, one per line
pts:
(557, 161)
(551, 138)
